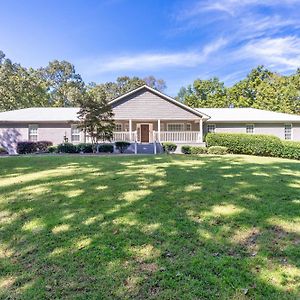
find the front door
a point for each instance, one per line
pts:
(144, 133)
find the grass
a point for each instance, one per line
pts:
(149, 227)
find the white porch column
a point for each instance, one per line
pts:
(201, 131)
(130, 130)
(158, 129)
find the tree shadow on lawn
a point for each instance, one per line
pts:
(161, 227)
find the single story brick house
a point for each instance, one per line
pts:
(146, 116)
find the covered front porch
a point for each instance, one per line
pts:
(150, 131)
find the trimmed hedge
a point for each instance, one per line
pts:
(67, 148)
(52, 149)
(43, 146)
(256, 144)
(106, 148)
(26, 147)
(261, 145)
(218, 150)
(85, 148)
(186, 149)
(169, 147)
(122, 146)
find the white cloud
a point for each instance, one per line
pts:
(282, 53)
(150, 61)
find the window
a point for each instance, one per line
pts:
(33, 132)
(188, 127)
(249, 128)
(288, 132)
(75, 133)
(211, 128)
(126, 127)
(118, 127)
(175, 127)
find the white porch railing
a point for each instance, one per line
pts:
(124, 136)
(178, 136)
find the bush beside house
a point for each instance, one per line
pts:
(261, 145)
(122, 146)
(3, 151)
(169, 147)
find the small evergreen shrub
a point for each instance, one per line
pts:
(169, 147)
(198, 150)
(43, 146)
(122, 146)
(218, 150)
(85, 148)
(290, 150)
(26, 147)
(3, 151)
(67, 148)
(52, 149)
(106, 148)
(186, 149)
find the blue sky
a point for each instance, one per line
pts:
(177, 40)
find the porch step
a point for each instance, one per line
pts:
(148, 148)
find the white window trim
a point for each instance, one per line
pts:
(186, 126)
(215, 127)
(253, 128)
(292, 131)
(75, 126)
(33, 126)
(175, 124)
(121, 127)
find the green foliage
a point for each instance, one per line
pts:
(52, 149)
(43, 146)
(261, 89)
(218, 150)
(85, 148)
(106, 148)
(122, 146)
(96, 115)
(67, 148)
(3, 151)
(26, 147)
(256, 144)
(186, 149)
(64, 85)
(263, 145)
(169, 147)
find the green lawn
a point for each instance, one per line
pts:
(149, 227)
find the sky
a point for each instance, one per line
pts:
(176, 40)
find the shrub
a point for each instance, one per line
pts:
(219, 150)
(26, 147)
(186, 149)
(290, 150)
(264, 145)
(52, 149)
(66, 148)
(85, 148)
(198, 150)
(43, 146)
(3, 151)
(122, 146)
(169, 147)
(107, 148)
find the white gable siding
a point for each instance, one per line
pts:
(145, 105)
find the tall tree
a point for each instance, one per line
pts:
(96, 115)
(205, 93)
(64, 84)
(125, 84)
(20, 87)
(158, 84)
